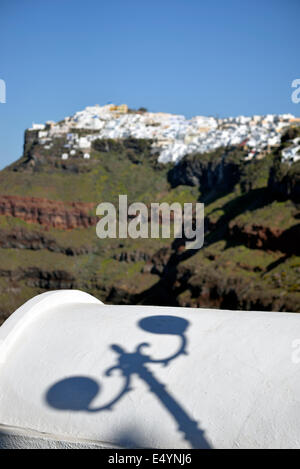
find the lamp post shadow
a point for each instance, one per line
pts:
(76, 393)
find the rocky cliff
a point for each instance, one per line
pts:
(250, 259)
(219, 170)
(284, 181)
(49, 213)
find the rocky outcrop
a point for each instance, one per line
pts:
(49, 213)
(50, 280)
(131, 256)
(215, 290)
(19, 238)
(257, 236)
(284, 181)
(39, 278)
(158, 262)
(190, 286)
(221, 171)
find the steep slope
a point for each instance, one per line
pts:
(250, 259)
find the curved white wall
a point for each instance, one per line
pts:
(230, 382)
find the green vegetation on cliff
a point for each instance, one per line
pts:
(250, 259)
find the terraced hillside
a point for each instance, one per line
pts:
(250, 259)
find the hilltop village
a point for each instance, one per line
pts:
(173, 135)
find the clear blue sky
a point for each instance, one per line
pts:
(190, 57)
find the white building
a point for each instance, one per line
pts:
(37, 127)
(291, 154)
(84, 142)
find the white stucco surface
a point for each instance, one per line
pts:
(236, 379)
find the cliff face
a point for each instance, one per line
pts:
(20, 238)
(256, 236)
(259, 261)
(49, 213)
(221, 171)
(284, 181)
(250, 259)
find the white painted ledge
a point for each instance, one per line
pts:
(229, 380)
(19, 438)
(17, 323)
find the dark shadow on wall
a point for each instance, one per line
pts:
(76, 393)
(131, 437)
(6, 441)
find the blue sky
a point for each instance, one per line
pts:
(184, 56)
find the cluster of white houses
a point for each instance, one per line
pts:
(173, 135)
(292, 153)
